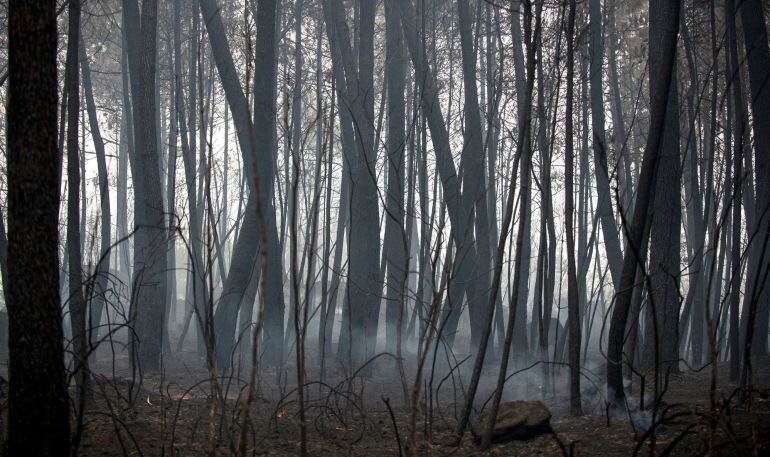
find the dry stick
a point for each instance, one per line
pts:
(395, 425)
(479, 363)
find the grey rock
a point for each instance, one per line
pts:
(516, 420)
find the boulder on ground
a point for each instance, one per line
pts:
(516, 420)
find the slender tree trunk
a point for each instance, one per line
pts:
(77, 303)
(102, 268)
(295, 150)
(520, 329)
(573, 306)
(125, 153)
(601, 172)
(738, 103)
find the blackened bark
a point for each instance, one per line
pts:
(395, 234)
(462, 230)
(604, 201)
(664, 29)
(36, 361)
(77, 302)
(738, 103)
(573, 306)
(102, 268)
(150, 260)
(472, 164)
(257, 147)
(662, 328)
(758, 57)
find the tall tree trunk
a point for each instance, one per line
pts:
(662, 324)
(532, 39)
(395, 233)
(35, 332)
(601, 172)
(625, 181)
(77, 303)
(295, 150)
(520, 329)
(664, 28)
(472, 164)
(363, 246)
(173, 153)
(695, 306)
(125, 152)
(758, 56)
(739, 134)
(458, 212)
(573, 306)
(102, 268)
(150, 259)
(257, 147)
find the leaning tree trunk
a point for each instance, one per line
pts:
(601, 172)
(532, 39)
(472, 164)
(257, 146)
(520, 329)
(98, 298)
(458, 212)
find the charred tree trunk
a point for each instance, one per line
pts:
(77, 303)
(395, 233)
(97, 300)
(573, 305)
(758, 57)
(664, 29)
(35, 329)
(150, 260)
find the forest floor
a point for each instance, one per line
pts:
(170, 416)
